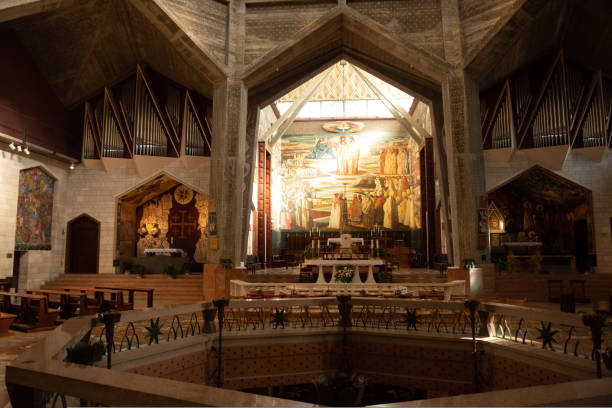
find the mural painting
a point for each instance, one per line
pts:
(34, 210)
(348, 177)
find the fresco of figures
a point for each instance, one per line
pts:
(350, 180)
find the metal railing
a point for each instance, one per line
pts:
(43, 372)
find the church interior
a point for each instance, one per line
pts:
(305, 202)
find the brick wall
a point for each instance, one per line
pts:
(594, 176)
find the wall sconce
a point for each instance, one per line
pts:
(12, 146)
(71, 166)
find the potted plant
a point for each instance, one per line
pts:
(138, 270)
(85, 353)
(308, 253)
(127, 268)
(171, 271)
(384, 276)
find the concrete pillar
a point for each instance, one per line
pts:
(252, 125)
(466, 178)
(463, 141)
(228, 162)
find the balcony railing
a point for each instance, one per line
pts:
(42, 373)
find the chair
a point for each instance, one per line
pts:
(440, 261)
(579, 288)
(552, 285)
(306, 273)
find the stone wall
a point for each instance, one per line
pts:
(84, 190)
(594, 176)
(35, 266)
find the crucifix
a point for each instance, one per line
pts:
(181, 222)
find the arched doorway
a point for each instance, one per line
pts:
(82, 245)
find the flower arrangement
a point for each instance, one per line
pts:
(344, 273)
(384, 276)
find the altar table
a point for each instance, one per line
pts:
(354, 262)
(163, 251)
(339, 240)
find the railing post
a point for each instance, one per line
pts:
(109, 319)
(344, 307)
(472, 306)
(596, 322)
(220, 305)
(209, 320)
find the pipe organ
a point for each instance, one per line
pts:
(550, 124)
(197, 141)
(552, 107)
(90, 139)
(145, 117)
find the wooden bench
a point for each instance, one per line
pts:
(130, 303)
(33, 312)
(99, 300)
(69, 302)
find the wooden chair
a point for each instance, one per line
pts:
(440, 262)
(578, 286)
(306, 273)
(555, 285)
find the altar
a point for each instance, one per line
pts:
(353, 262)
(164, 251)
(530, 262)
(343, 239)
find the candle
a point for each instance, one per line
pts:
(318, 244)
(312, 244)
(377, 244)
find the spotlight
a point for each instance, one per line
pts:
(71, 166)
(12, 146)
(19, 148)
(26, 150)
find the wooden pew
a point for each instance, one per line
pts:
(34, 312)
(130, 303)
(115, 302)
(69, 301)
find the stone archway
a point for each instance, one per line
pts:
(82, 245)
(164, 213)
(539, 205)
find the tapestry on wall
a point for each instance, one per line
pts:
(34, 210)
(350, 178)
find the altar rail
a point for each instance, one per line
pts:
(41, 373)
(242, 289)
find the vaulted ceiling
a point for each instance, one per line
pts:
(541, 27)
(91, 44)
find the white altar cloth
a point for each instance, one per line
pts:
(355, 262)
(339, 240)
(163, 251)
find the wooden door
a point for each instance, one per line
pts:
(82, 246)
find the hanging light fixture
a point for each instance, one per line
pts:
(71, 166)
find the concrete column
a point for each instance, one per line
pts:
(252, 125)
(228, 162)
(463, 141)
(466, 178)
